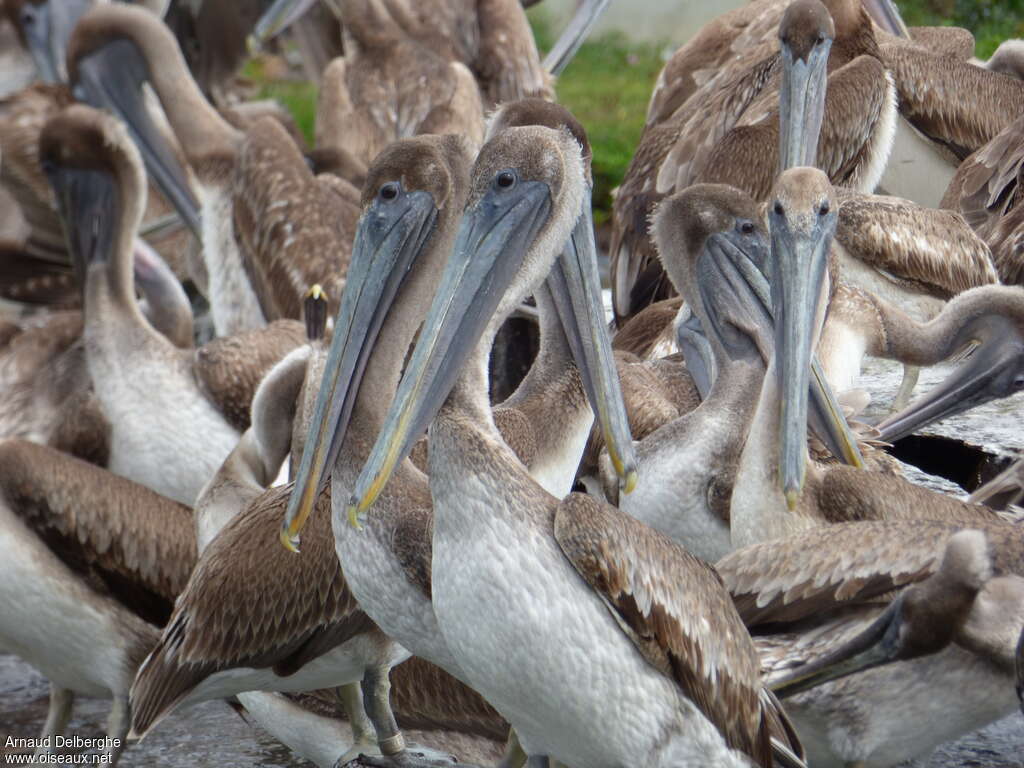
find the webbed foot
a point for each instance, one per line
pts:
(412, 757)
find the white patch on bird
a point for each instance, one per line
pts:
(76, 637)
(233, 303)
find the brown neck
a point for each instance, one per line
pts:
(854, 37)
(110, 284)
(202, 133)
(929, 343)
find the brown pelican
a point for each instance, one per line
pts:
(113, 51)
(25, 114)
(174, 414)
(93, 565)
(427, 92)
(388, 565)
(811, 592)
(767, 501)
(714, 139)
(452, 717)
(47, 391)
(527, 191)
(323, 638)
(491, 38)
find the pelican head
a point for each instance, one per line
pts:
(107, 70)
(410, 203)
(802, 213)
(990, 322)
(575, 284)
(96, 174)
(708, 228)
(806, 33)
(44, 27)
(528, 189)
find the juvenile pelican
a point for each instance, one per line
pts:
(769, 498)
(493, 520)
(174, 414)
(304, 627)
(729, 131)
(813, 591)
(93, 564)
(113, 52)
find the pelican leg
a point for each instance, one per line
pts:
(57, 715)
(117, 729)
(364, 741)
(910, 376)
(394, 754)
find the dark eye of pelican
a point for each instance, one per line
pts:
(47, 165)
(825, 208)
(505, 179)
(779, 209)
(747, 228)
(28, 18)
(820, 39)
(389, 191)
(1018, 381)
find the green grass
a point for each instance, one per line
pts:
(297, 96)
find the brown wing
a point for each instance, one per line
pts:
(127, 540)
(507, 64)
(913, 242)
(985, 189)
(724, 46)
(665, 600)
(293, 230)
(837, 565)
(251, 603)
(230, 368)
(951, 101)
(945, 41)
(854, 106)
(647, 329)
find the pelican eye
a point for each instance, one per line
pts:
(505, 179)
(779, 209)
(820, 40)
(824, 209)
(747, 228)
(1018, 381)
(389, 191)
(28, 18)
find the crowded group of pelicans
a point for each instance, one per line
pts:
(673, 544)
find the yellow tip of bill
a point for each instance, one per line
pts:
(289, 542)
(792, 497)
(353, 517)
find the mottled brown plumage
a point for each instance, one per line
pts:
(269, 622)
(294, 229)
(985, 190)
(123, 539)
(951, 101)
(650, 585)
(932, 250)
(389, 87)
(229, 369)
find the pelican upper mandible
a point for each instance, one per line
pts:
(526, 195)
